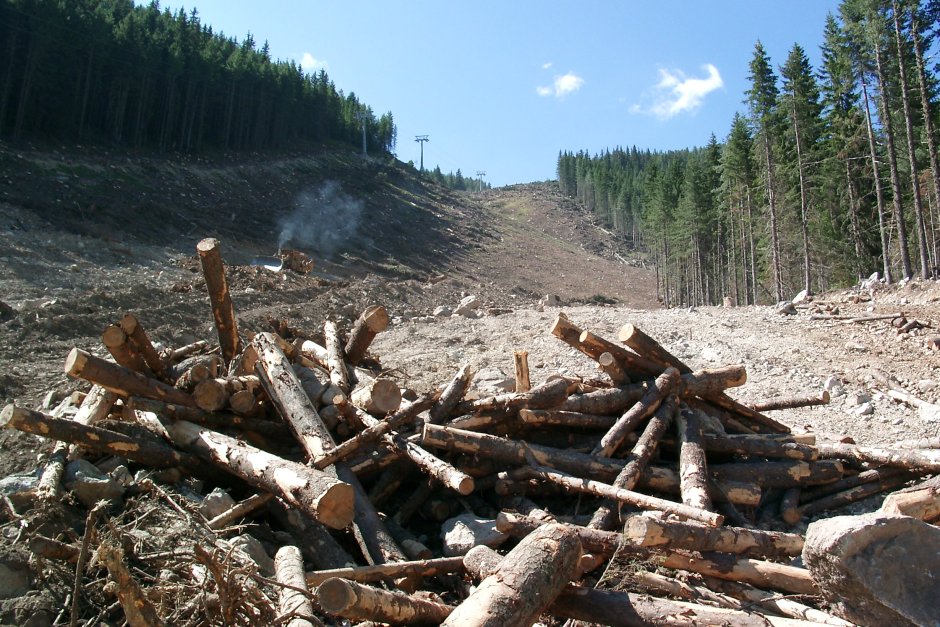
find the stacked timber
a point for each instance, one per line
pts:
(645, 492)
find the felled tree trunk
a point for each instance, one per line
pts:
(693, 470)
(121, 380)
(319, 495)
(360, 602)
(370, 323)
(452, 395)
(920, 501)
(135, 331)
(220, 298)
(292, 600)
(660, 389)
(525, 583)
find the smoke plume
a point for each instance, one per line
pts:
(322, 222)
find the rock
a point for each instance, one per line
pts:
(855, 346)
(493, 380)
(871, 282)
(549, 300)
(253, 548)
(6, 312)
(711, 355)
(467, 306)
(90, 484)
(216, 502)
(442, 312)
(865, 409)
(926, 385)
(14, 579)
(801, 297)
(786, 308)
(876, 569)
(19, 488)
(859, 398)
(462, 533)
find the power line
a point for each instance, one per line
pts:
(421, 139)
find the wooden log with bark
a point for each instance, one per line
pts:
(780, 474)
(661, 388)
(919, 460)
(319, 495)
(360, 602)
(650, 532)
(122, 350)
(336, 359)
(138, 336)
(220, 299)
(606, 515)
(92, 438)
(521, 363)
(791, 402)
(594, 347)
(388, 572)
(293, 598)
(546, 395)
(379, 396)
(759, 573)
(693, 467)
(882, 483)
(451, 395)
(920, 501)
(138, 610)
(121, 380)
(525, 583)
(370, 323)
(612, 368)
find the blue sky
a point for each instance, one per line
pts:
(503, 86)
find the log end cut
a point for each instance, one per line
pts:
(336, 506)
(336, 595)
(75, 362)
(207, 246)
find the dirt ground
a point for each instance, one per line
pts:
(84, 245)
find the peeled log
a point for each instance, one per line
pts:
(768, 575)
(525, 583)
(359, 602)
(121, 380)
(219, 297)
(318, 494)
(693, 477)
(370, 323)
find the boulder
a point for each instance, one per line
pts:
(216, 502)
(462, 533)
(468, 307)
(876, 569)
(90, 484)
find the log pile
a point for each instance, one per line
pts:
(644, 492)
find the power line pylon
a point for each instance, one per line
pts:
(481, 174)
(421, 139)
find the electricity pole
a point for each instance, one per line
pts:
(362, 116)
(481, 174)
(421, 139)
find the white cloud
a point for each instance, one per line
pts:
(547, 66)
(563, 85)
(676, 93)
(310, 63)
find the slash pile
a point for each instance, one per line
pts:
(645, 496)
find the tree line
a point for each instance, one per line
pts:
(107, 71)
(456, 180)
(831, 174)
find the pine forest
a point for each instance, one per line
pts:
(829, 175)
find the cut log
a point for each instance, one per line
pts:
(336, 360)
(124, 353)
(319, 547)
(920, 460)
(606, 515)
(544, 396)
(359, 602)
(452, 395)
(789, 506)
(774, 602)
(95, 439)
(693, 468)
(266, 428)
(178, 354)
(852, 481)
(220, 298)
(791, 402)
(758, 446)
(388, 572)
(644, 345)
(138, 336)
(839, 499)
(565, 419)
(379, 396)
(370, 323)
(525, 583)
(292, 597)
(780, 474)
(638, 499)
(121, 380)
(317, 494)
(612, 368)
(644, 408)
(759, 573)
(605, 402)
(648, 532)
(666, 480)
(240, 510)
(593, 347)
(919, 501)
(521, 361)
